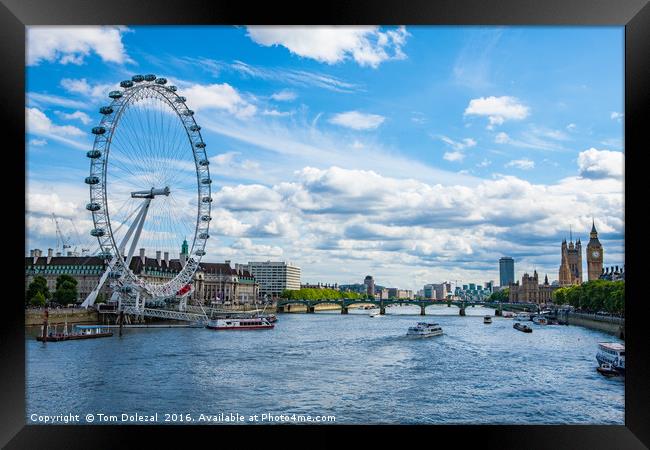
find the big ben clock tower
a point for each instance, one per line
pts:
(594, 255)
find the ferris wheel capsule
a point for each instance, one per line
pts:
(161, 80)
(115, 94)
(149, 77)
(126, 83)
(137, 78)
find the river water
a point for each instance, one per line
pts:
(361, 370)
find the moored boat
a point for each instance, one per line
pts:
(522, 316)
(612, 353)
(540, 320)
(424, 329)
(375, 314)
(254, 323)
(507, 314)
(78, 332)
(487, 319)
(522, 327)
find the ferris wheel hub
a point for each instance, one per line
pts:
(151, 193)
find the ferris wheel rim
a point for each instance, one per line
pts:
(138, 88)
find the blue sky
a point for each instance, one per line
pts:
(415, 154)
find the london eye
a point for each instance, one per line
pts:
(149, 185)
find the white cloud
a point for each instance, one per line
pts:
(486, 162)
(71, 45)
(77, 115)
(284, 95)
(35, 99)
(276, 113)
(596, 164)
(41, 125)
(497, 109)
(455, 156)
(357, 120)
(37, 142)
(616, 116)
(458, 145)
(97, 91)
(218, 96)
(571, 127)
(367, 46)
(502, 138)
(523, 164)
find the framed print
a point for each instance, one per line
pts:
(371, 217)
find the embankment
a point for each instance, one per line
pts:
(58, 316)
(611, 325)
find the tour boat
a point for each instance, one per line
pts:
(540, 320)
(612, 353)
(508, 314)
(78, 332)
(424, 329)
(255, 323)
(522, 327)
(375, 314)
(487, 319)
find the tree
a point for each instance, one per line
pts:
(66, 290)
(38, 285)
(500, 296)
(38, 300)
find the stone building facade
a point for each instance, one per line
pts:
(571, 263)
(213, 282)
(530, 291)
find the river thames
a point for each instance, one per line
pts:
(359, 369)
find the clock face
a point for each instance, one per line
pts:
(595, 254)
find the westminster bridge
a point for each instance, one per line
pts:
(345, 303)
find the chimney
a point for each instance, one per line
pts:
(158, 257)
(142, 257)
(167, 259)
(31, 253)
(49, 255)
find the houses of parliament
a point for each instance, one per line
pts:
(571, 263)
(570, 273)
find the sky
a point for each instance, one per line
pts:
(415, 154)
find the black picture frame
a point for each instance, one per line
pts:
(633, 14)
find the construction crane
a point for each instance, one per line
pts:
(84, 251)
(62, 242)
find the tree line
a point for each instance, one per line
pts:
(596, 295)
(320, 294)
(38, 293)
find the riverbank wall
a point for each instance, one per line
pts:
(611, 325)
(35, 317)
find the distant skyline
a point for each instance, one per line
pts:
(415, 154)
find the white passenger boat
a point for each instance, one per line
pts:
(507, 314)
(254, 323)
(612, 353)
(424, 329)
(375, 314)
(487, 319)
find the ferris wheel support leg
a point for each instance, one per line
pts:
(140, 223)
